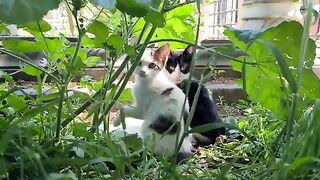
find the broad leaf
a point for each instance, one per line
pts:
(23, 46)
(264, 83)
(100, 31)
(138, 8)
(156, 18)
(92, 61)
(16, 102)
(115, 41)
(126, 96)
(31, 71)
(25, 11)
(34, 26)
(130, 50)
(4, 28)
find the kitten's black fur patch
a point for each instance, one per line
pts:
(205, 112)
(167, 92)
(163, 123)
(206, 109)
(183, 61)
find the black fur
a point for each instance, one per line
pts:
(183, 61)
(206, 109)
(167, 92)
(205, 112)
(163, 123)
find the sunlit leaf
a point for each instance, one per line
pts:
(31, 71)
(100, 31)
(126, 96)
(4, 28)
(17, 102)
(130, 50)
(115, 41)
(156, 18)
(92, 61)
(264, 83)
(34, 26)
(138, 8)
(23, 45)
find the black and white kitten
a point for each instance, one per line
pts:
(178, 69)
(155, 117)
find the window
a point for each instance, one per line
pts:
(225, 13)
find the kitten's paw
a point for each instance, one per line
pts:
(116, 121)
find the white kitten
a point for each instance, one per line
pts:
(159, 104)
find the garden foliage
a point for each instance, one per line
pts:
(42, 136)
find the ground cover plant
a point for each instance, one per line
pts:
(42, 137)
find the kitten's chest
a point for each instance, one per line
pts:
(144, 98)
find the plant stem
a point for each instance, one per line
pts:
(145, 27)
(59, 112)
(303, 51)
(104, 86)
(186, 126)
(128, 75)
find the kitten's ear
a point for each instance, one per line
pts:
(189, 50)
(162, 53)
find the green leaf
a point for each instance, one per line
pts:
(6, 138)
(126, 96)
(23, 46)
(132, 141)
(115, 41)
(92, 61)
(156, 18)
(283, 66)
(207, 127)
(100, 31)
(4, 28)
(264, 82)
(179, 24)
(242, 38)
(82, 54)
(80, 130)
(44, 26)
(77, 67)
(130, 50)
(303, 162)
(25, 11)
(30, 113)
(16, 102)
(31, 71)
(3, 169)
(138, 8)
(108, 4)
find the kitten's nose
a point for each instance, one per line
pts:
(142, 73)
(178, 79)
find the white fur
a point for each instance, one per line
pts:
(150, 103)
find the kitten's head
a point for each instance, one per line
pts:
(178, 67)
(152, 63)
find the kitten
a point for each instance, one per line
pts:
(178, 69)
(158, 106)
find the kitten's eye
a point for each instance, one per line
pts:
(153, 65)
(140, 63)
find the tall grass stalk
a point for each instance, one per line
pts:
(186, 127)
(303, 51)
